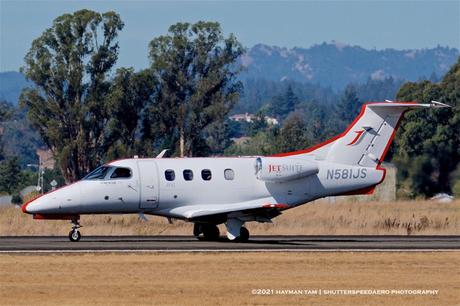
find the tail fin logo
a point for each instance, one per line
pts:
(357, 137)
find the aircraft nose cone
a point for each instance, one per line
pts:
(30, 206)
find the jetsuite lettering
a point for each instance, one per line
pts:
(284, 168)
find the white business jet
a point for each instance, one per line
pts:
(233, 190)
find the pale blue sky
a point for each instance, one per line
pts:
(371, 24)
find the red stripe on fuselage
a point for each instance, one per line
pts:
(55, 217)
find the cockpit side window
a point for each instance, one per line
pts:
(98, 173)
(121, 173)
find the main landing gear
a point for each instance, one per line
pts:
(236, 231)
(244, 235)
(74, 234)
(210, 231)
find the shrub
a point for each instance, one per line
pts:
(16, 199)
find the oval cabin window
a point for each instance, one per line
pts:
(229, 174)
(206, 174)
(188, 175)
(170, 175)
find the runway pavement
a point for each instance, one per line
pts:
(47, 244)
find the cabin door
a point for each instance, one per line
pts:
(150, 191)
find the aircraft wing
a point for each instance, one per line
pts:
(245, 208)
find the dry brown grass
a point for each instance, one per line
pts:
(225, 278)
(318, 218)
(368, 218)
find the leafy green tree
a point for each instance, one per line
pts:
(293, 134)
(455, 182)
(257, 125)
(349, 105)
(5, 114)
(10, 175)
(235, 128)
(16, 199)
(260, 93)
(130, 93)
(378, 90)
(260, 144)
(218, 136)
(5, 110)
(320, 121)
(196, 68)
(52, 174)
(428, 143)
(283, 105)
(69, 64)
(19, 138)
(29, 177)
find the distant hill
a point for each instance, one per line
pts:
(336, 65)
(11, 85)
(331, 65)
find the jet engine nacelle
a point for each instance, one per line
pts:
(282, 169)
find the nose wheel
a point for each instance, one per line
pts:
(74, 234)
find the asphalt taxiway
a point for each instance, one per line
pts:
(48, 244)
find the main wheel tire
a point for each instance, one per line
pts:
(211, 232)
(244, 234)
(197, 230)
(74, 235)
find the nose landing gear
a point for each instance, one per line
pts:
(74, 234)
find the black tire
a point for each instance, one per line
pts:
(210, 232)
(74, 235)
(197, 230)
(244, 234)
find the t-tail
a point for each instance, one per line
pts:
(367, 139)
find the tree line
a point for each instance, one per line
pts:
(428, 143)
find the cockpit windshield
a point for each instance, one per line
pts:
(98, 173)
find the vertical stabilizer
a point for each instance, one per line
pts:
(368, 138)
